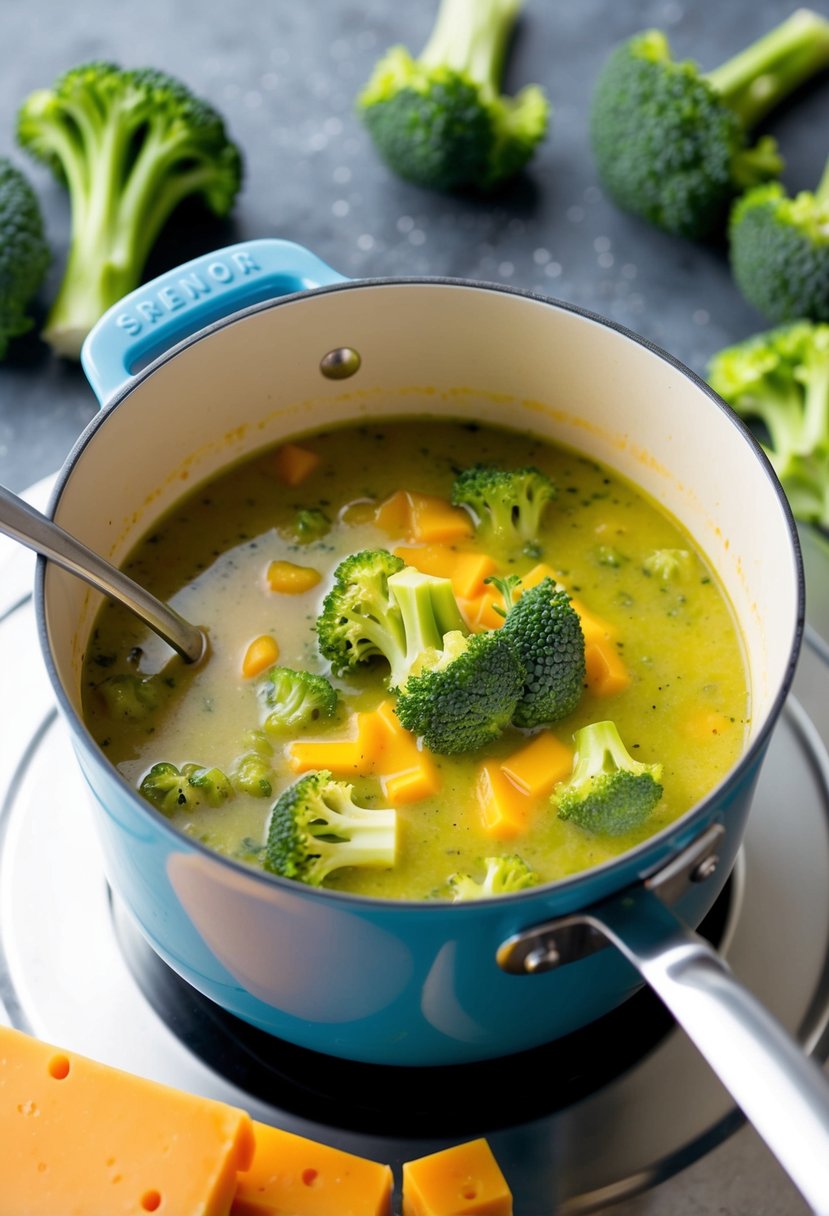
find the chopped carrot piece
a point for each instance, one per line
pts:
(343, 757)
(435, 519)
(262, 652)
(503, 807)
(467, 571)
(285, 578)
(606, 673)
(293, 464)
(539, 765)
(704, 723)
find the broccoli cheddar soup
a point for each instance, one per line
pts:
(445, 661)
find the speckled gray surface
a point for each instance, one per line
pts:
(285, 75)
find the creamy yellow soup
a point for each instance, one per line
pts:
(679, 697)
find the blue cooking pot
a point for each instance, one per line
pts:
(261, 341)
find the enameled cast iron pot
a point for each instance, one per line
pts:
(262, 341)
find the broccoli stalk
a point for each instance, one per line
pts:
(508, 503)
(316, 828)
(462, 695)
(129, 146)
(502, 876)
(545, 632)
(781, 379)
(440, 120)
(24, 253)
(379, 607)
(608, 791)
(779, 251)
(170, 789)
(671, 144)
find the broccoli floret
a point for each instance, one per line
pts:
(316, 828)
(672, 144)
(252, 774)
(24, 253)
(669, 565)
(309, 524)
(463, 695)
(131, 696)
(508, 503)
(295, 699)
(129, 145)
(779, 251)
(780, 378)
(169, 788)
(544, 629)
(503, 875)
(439, 119)
(608, 792)
(380, 606)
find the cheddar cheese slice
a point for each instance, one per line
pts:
(292, 1176)
(465, 1180)
(82, 1139)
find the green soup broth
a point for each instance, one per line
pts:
(686, 705)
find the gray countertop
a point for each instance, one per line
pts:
(285, 76)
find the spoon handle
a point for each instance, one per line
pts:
(23, 523)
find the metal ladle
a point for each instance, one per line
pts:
(25, 524)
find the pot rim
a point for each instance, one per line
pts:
(625, 860)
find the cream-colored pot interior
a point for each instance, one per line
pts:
(429, 348)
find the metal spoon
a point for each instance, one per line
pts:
(23, 523)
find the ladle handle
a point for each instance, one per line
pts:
(780, 1089)
(24, 523)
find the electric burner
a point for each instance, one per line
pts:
(600, 1116)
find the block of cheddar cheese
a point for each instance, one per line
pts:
(82, 1139)
(292, 1176)
(464, 1180)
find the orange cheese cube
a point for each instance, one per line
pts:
(292, 1176)
(538, 573)
(342, 757)
(407, 773)
(394, 514)
(81, 1138)
(606, 673)
(462, 1181)
(261, 653)
(423, 517)
(293, 464)
(286, 578)
(481, 612)
(503, 808)
(704, 723)
(539, 765)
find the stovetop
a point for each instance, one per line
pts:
(607, 1113)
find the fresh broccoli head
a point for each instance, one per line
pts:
(129, 145)
(508, 503)
(672, 144)
(464, 694)
(170, 789)
(608, 792)
(503, 875)
(295, 699)
(24, 253)
(544, 629)
(780, 378)
(779, 251)
(316, 828)
(378, 606)
(440, 120)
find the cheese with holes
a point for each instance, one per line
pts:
(82, 1139)
(465, 1180)
(292, 1176)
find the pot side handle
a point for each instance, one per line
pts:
(780, 1089)
(175, 305)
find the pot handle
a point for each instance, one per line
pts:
(161, 313)
(781, 1090)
